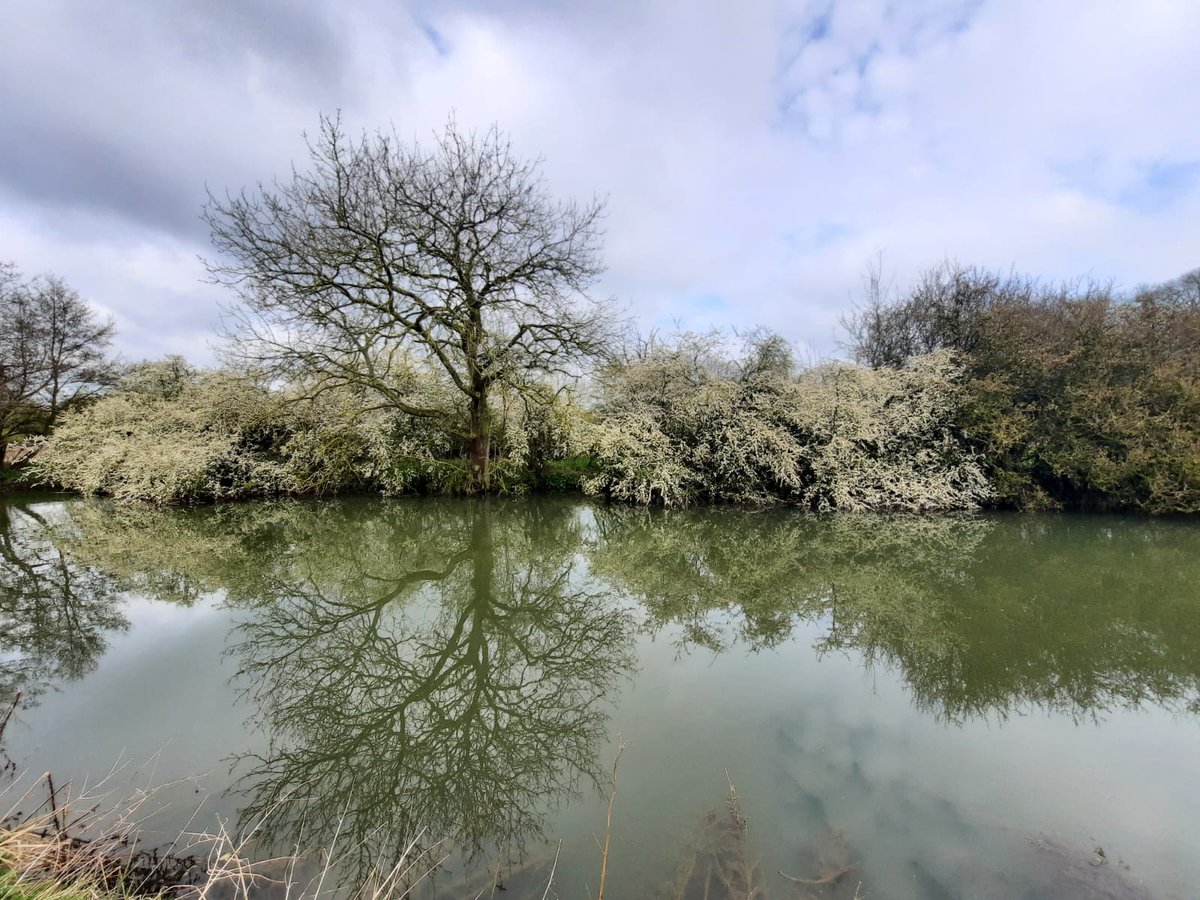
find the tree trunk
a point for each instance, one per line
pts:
(480, 445)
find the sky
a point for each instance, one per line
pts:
(756, 157)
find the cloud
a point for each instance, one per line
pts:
(761, 154)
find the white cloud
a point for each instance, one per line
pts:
(756, 158)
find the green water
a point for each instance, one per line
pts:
(949, 706)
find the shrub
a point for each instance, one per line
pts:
(205, 443)
(684, 423)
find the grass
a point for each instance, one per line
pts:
(59, 853)
(44, 854)
(36, 867)
(13, 887)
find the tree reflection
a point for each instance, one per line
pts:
(446, 665)
(981, 615)
(55, 615)
(452, 678)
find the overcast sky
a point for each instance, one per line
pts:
(756, 156)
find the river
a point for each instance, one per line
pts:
(904, 707)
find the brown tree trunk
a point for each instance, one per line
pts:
(480, 445)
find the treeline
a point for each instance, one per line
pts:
(1073, 396)
(975, 389)
(418, 319)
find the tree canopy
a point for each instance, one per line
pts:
(53, 353)
(382, 258)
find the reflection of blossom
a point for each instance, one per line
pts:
(980, 615)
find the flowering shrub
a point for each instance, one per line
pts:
(683, 424)
(204, 443)
(171, 434)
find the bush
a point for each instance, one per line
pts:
(1075, 396)
(205, 443)
(172, 434)
(684, 423)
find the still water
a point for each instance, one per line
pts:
(974, 706)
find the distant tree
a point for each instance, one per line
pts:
(162, 379)
(53, 353)
(945, 310)
(455, 253)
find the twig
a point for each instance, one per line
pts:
(831, 878)
(550, 880)
(53, 804)
(608, 824)
(8, 715)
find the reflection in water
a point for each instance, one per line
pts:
(436, 667)
(981, 616)
(456, 689)
(448, 665)
(55, 615)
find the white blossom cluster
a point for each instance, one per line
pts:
(680, 425)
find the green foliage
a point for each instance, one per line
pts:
(564, 475)
(13, 479)
(13, 887)
(1076, 397)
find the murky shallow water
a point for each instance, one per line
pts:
(932, 707)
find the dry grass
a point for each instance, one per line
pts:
(57, 837)
(79, 846)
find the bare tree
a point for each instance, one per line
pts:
(381, 252)
(53, 353)
(944, 310)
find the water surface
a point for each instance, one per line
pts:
(974, 706)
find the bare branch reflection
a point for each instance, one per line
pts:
(462, 690)
(56, 615)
